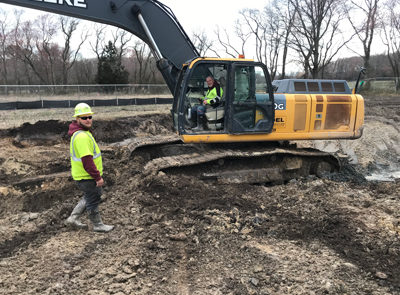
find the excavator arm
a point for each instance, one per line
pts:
(150, 20)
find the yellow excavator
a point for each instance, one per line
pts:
(240, 135)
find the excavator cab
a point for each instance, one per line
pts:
(245, 106)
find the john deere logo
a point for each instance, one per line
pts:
(73, 3)
(280, 102)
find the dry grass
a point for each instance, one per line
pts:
(15, 118)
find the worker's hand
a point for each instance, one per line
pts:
(100, 182)
(205, 102)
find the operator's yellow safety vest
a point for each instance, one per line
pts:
(83, 144)
(212, 95)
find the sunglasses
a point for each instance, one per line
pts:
(85, 118)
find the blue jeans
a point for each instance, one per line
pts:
(92, 193)
(198, 110)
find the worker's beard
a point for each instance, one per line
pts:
(84, 127)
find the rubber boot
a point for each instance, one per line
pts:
(73, 219)
(200, 123)
(98, 225)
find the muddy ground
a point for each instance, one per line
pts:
(178, 235)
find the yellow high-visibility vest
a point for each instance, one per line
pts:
(211, 96)
(83, 144)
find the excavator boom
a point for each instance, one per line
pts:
(166, 37)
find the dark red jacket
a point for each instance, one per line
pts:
(87, 161)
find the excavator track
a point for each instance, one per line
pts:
(229, 163)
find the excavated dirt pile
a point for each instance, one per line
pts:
(176, 234)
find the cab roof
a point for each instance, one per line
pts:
(311, 86)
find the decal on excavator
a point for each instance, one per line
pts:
(280, 122)
(280, 102)
(74, 3)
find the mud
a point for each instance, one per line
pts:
(176, 234)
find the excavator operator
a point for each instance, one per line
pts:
(212, 98)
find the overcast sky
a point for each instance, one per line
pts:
(198, 14)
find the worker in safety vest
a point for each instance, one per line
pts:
(86, 169)
(212, 99)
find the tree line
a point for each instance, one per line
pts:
(48, 50)
(312, 34)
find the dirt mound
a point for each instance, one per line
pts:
(176, 234)
(123, 128)
(52, 132)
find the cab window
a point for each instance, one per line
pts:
(196, 87)
(252, 105)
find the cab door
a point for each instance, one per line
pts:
(251, 105)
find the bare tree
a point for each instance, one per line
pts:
(346, 68)
(202, 43)
(391, 37)
(19, 70)
(23, 49)
(84, 71)
(48, 52)
(141, 55)
(233, 48)
(316, 33)
(285, 15)
(256, 23)
(364, 27)
(99, 42)
(264, 33)
(121, 38)
(4, 37)
(265, 28)
(33, 45)
(69, 56)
